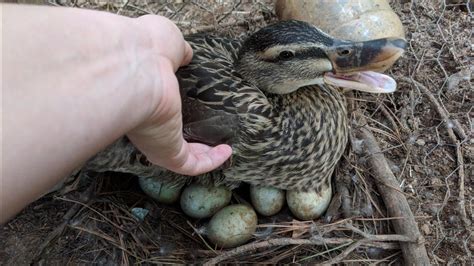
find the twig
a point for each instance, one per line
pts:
(343, 254)
(345, 201)
(447, 195)
(452, 126)
(401, 238)
(106, 237)
(376, 240)
(395, 201)
(456, 126)
(326, 251)
(119, 11)
(60, 229)
(340, 200)
(462, 207)
(388, 115)
(230, 12)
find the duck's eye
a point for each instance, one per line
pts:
(285, 55)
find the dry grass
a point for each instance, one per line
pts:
(424, 130)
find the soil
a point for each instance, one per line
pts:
(89, 220)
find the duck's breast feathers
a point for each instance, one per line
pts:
(215, 97)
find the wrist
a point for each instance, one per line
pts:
(144, 66)
(155, 48)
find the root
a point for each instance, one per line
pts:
(371, 241)
(395, 201)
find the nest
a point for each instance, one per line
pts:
(399, 190)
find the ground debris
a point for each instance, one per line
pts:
(424, 130)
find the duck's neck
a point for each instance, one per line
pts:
(312, 99)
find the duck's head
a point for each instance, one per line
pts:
(285, 56)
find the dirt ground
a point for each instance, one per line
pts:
(425, 131)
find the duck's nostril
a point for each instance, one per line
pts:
(344, 52)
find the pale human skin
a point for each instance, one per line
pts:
(74, 81)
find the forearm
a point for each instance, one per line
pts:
(73, 82)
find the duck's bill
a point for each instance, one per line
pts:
(354, 64)
(367, 81)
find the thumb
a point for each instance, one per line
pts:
(188, 54)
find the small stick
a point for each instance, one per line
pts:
(344, 254)
(456, 126)
(462, 207)
(395, 201)
(374, 240)
(60, 229)
(387, 114)
(452, 126)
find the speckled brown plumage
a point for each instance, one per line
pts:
(289, 141)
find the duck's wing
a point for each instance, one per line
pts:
(215, 97)
(216, 103)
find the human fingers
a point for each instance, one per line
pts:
(188, 54)
(200, 158)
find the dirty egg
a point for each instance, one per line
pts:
(199, 201)
(160, 190)
(232, 226)
(308, 205)
(267, 201)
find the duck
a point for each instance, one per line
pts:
(276, 98)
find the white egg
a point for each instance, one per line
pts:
(160, 190)
(232, 226)
(308, 205)
(267, 200)
(200, 201)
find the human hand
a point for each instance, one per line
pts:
(160, 137)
